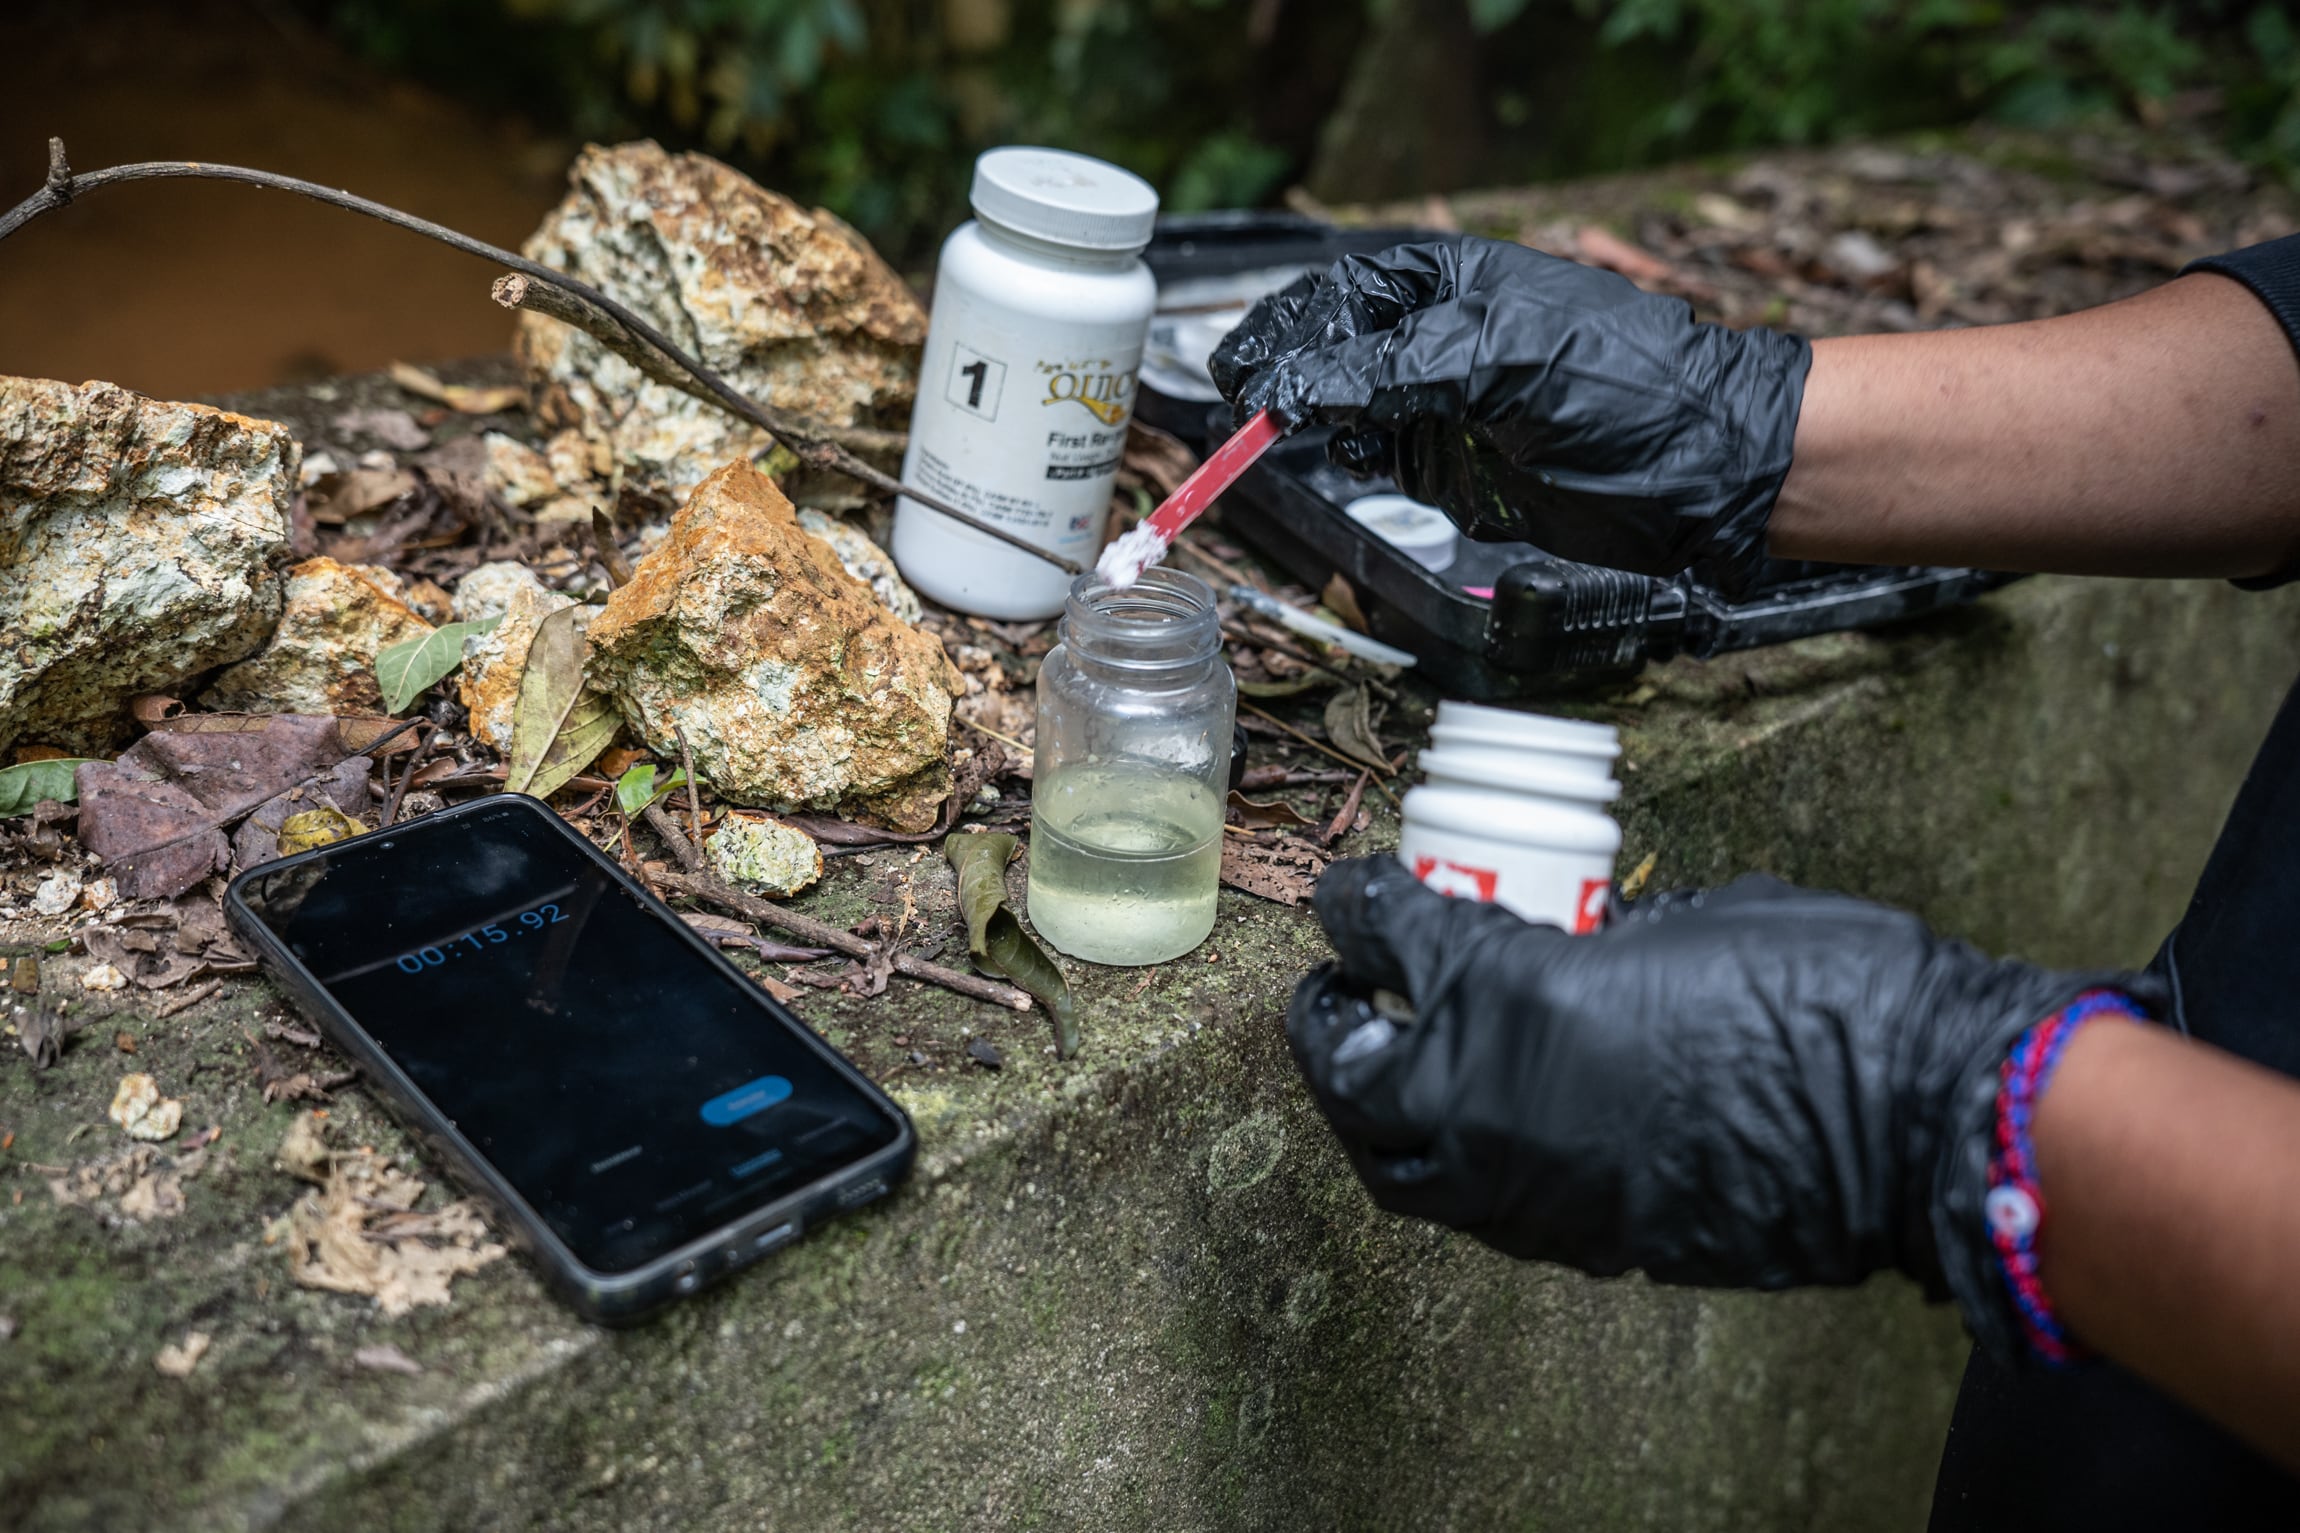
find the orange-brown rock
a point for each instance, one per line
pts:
(796, 689)
(789, 305)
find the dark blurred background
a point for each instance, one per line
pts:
(467, 110)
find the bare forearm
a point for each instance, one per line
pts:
(2173, 1235)
(2155, 436)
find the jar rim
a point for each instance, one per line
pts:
(1178, 616)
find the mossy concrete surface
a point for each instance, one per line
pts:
(1140, 1289)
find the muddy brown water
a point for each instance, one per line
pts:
(186, 289)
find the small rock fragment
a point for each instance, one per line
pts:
(985, 1053)
(796, 689)
(763, 855)
(105, 977)
(785, 304)
(140, 548)
(24, 975)
(58, 892)
(486, 591)
(99, 893)
(322, 658)
(138, 1107)
(517, 472)
(429, 600)
(178, 1359)
(387, 1359)
(864, 560)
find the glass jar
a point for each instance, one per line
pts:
(1135, 710)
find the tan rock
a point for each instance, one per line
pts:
(486, 590)
(788, 305)
(494, 662)
(795, 687)
(137, 540)
(516, 471)
(322, 658)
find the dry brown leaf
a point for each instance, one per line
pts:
(1342, 601)
(1350, 727)
(358, 1232)
(140, 1184)
(465, 399)
(1282, 869)
(1264, 814)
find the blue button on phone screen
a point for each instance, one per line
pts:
(755, 1097)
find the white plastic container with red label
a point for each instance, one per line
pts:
(1513, 812)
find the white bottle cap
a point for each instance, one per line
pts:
(1422, 533)
(1066, 199)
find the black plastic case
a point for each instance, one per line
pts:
(622, 1298)
(1550, 624)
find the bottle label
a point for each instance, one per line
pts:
(1024, 429)
(1462, 881)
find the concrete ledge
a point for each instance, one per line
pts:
(1141, 1290)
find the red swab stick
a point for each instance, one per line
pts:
(1123, 562)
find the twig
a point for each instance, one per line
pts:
(1008, 741)
(694, 796)
(823, 934)
(64, 186)
(519, 292)
(391, 809)
(610, 552)
(189, 999)
(1348, 813)
(817, 445)
(1220, 566)
(667, 828)
(1321, 747)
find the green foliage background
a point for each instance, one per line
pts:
(875, 107)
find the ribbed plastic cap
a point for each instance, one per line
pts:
(1066, 199)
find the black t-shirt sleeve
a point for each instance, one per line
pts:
(2272, 271)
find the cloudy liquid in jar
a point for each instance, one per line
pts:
(1124, 864)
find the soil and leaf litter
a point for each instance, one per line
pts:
(469, 597)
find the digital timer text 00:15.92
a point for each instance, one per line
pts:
(481, 938)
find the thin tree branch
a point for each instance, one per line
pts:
(528, 296)
(823, 934)
(64, 186)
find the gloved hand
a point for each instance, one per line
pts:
(1757, 1086)
(1535, 399)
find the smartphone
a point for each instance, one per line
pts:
(645, 1119)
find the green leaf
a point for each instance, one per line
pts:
(25, 786)
(559, 725)
(636, 791)
(994, 934)
(403, 671)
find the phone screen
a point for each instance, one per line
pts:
(635, 1095)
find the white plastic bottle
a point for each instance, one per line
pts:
(1041, 304)
(1513, 811)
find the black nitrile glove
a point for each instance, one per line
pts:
(1754, 1087)
(1535, 399)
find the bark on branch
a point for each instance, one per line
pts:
(523, 293)
(822, 934)
(810, 443)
